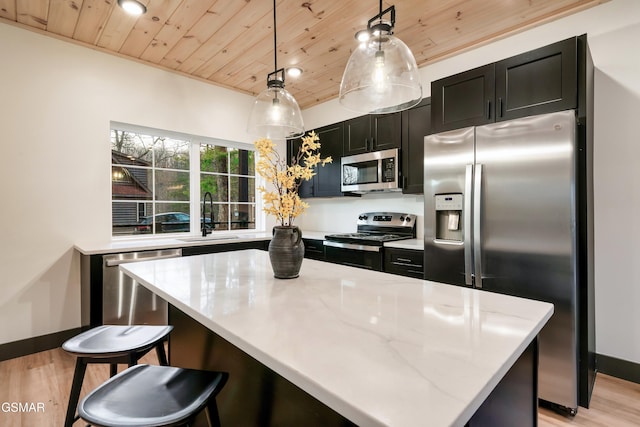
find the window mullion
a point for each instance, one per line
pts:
(194, 174)
(229, 211)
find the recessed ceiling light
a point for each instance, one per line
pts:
(132, 7)
(294, 71)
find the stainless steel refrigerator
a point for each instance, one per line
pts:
(506, 211)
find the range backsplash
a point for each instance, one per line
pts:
(340, 214)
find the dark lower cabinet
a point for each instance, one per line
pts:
(313, 249)
(226, 247)
(405, 262)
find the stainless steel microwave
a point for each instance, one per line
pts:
(375, 171)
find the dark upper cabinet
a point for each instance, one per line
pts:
(327, 178)
(306, 187)
(372, 133)
(357, 135)
(541, 81)
(537, 82)
(326, 181)
(386, 130)
(416, 124)
(465, 99)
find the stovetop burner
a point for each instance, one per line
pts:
(375, 228)
(368, 236)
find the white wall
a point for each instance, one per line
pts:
(614, 31)
(56, 102)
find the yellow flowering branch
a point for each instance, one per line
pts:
(284, 202)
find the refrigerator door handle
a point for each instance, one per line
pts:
(477, 239)
(468, 266)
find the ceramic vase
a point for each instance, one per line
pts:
(286, 251)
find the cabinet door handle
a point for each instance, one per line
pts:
(373, 143)
(500, 107)
(488, 110)
(404, 264)
(404, 259)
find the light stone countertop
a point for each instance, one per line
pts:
(379, 349)
(413, 244)
(218, 238)
(167, 242)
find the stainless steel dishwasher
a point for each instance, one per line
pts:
(125, 301)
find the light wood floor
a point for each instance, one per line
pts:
(45, 378)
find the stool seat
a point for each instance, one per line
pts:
(113, 345)
(115, 340)
(146, 395)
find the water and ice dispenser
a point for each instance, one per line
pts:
(449, 217)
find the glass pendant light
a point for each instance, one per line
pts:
(381, 75)
(275, 113)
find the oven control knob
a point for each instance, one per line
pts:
(402, 218)
(408, 219)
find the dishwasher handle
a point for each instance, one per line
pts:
(129, 257)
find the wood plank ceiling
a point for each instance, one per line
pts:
(230, 42)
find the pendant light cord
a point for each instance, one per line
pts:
(380, 36)
(275, 44)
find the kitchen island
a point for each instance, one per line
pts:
(369, 347)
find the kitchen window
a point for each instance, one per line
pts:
(158, 179)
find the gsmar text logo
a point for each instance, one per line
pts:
(22, 407)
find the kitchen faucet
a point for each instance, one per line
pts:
(204, 208)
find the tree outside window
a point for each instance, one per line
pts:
(229, 175)
(151, 175)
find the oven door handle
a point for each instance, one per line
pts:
(357, 247)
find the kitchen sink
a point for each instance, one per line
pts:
(208, 238)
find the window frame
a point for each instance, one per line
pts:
(195, 198)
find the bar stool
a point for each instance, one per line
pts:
(112, 344)
(145, 395)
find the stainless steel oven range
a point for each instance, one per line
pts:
(364, 247)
